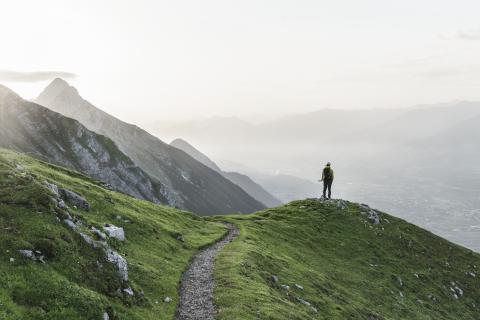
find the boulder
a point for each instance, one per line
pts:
(75, 199)
(373, 217)
(129, 291)
(99, 233)
(53, 188)
(275, 279)
(94, 244)
(119, 262)
(33, 255)
(114, 232)
(70, 224)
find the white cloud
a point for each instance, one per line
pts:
(35, 76)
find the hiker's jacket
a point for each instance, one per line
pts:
(327, 174)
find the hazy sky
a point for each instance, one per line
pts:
(154, 60)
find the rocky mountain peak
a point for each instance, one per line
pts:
(57, 87)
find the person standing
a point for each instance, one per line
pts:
(327, 178)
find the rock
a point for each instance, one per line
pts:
(70, 224)
(299, 287)
(129, 291)
(12, 260)
(399, 280)
(27, 254)
(106, 186)
(119, 262)
(75, 199)
(471, 274)
(53, 188)
(373, 217)
(99, 233)
(275, 279)
(106, 316)
(61, 204)
(115, 232)
(304, 302)
(167, 300)
(285, 287)
(180, 238)
(94, 244)
(35, 256)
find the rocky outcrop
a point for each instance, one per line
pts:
(75, 199)
(114, 232)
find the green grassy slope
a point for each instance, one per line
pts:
(77, 282)
(348, 268)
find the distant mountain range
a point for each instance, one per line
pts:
(123, 155)
(410, 161)
(246, 183)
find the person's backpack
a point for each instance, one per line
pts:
(327, 174)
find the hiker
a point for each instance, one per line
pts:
(327, 178)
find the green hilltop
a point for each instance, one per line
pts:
(329, 260)
(309, 259)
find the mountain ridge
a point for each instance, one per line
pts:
(192, 185)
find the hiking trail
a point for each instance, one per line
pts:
(196, 288)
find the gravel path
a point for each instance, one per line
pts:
(196, 289)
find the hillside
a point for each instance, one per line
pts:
(73, 276)
(327, 260)
(190, 185)
(255, 190)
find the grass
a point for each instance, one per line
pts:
(348, 268)
(76, 282)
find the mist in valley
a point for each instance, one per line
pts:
(421, 163)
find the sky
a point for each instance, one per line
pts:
(155, 61)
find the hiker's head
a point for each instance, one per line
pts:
(328, 164)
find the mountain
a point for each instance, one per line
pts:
(417, 123)
(253, 188)
(283, 186)
(194, 153)
(243, 181)
(309, 259)
(33, 129)
(190, 184)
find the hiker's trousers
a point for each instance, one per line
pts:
(327, 185)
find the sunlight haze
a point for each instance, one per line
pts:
(147, 61)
